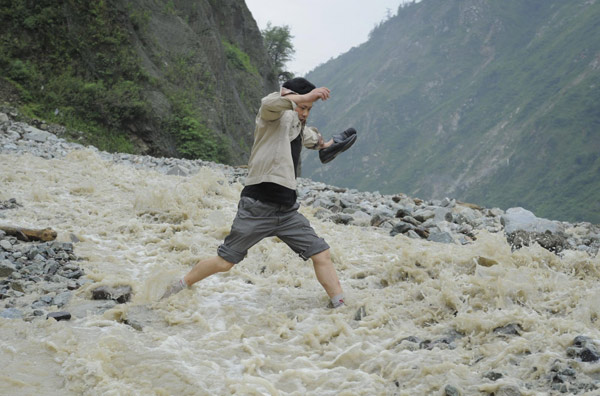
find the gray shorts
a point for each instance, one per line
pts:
(256, 220)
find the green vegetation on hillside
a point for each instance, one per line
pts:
(87, 79)
(78, 63)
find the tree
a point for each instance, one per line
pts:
(278, 42)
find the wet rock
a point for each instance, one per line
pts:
(450, 390)
(178, 170)
(423, 215)
(401, 228)
(411, 220)
(492, 375)
(62, 299)
(445, 342)
(403, 212)
(360, 313)
(413, 339)
(422, 232)
(6, 245)
(120, 294)
(341, 218)
(413, 235)
(377, 220)
(86, 308)
(508, 390)
(61, 315)
(555, 243)
(9, 204)
(37, 135)
(519, 219)
(361, 219)
(11, 313)
(511, 329)
(583, 348)
(485, 262)
(436, 235)
(6, 268)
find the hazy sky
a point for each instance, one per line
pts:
(322, 29)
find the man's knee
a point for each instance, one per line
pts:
(321, 257)
(223, 265)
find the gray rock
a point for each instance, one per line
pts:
(442, 214)
(120, 294)
(583, 348)
(511, 329)
(448, 203)
(440, 236)
(450, 390)
(62, 299)
(413, 234)
(519, 219)
(464, 214)
(6, 245)
(411, 220)
(361, 219)
(11, 313)
(3, 118)
(62, 315)
(37, 135)
(322, 213)
(403, 212)
(401, 228)
(423, 215)
(6, 268)
(341, 218)
(178, 170)
(92, 308)
(492, 375)
(377, 220)
(17, 285)
(555, 243)
(360, 313)
(508, 390)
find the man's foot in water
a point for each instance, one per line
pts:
(174, 288)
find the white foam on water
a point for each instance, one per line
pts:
(263, 328)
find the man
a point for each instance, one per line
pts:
(268, 206)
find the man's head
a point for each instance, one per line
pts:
(301, 86)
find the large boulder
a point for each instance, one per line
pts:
(519, 219)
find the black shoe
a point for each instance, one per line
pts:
(341, 143)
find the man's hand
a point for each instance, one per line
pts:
(323, 144)
(322, 93)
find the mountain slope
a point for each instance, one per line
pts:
(178, 78)
(495, 103)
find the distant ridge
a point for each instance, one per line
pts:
(490, 102)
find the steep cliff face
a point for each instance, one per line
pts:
(488, 102)
(213, 52)
(175, 78)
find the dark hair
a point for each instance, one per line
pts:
(299, 85)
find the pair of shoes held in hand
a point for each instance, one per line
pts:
(341, 143)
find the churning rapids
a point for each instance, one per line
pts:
(423, 318)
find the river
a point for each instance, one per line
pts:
(264, 327)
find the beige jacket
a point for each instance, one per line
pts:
(277, 124)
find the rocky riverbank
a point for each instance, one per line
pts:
(38, 278)
(427, 281)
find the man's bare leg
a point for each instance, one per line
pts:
(327, 277)
(203, 269)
